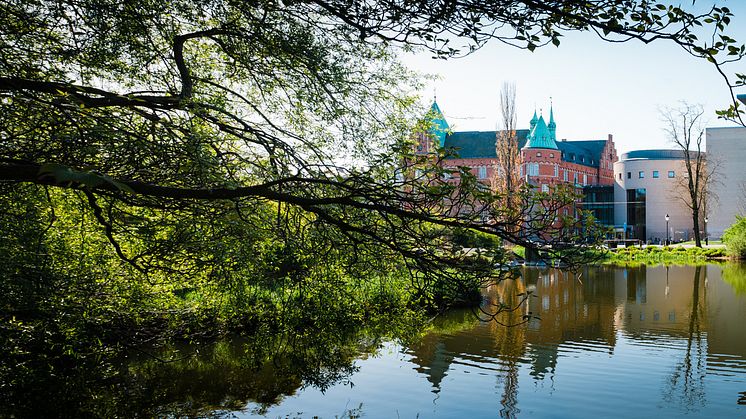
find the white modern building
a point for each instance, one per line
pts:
(726, 152)
(649, 196)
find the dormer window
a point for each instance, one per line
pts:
(572, 156)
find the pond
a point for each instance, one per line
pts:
(613, 342)
(608, 342)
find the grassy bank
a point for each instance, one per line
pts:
(666, 254)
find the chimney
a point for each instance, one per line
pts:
(611, 137)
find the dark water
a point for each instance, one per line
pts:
(610, 342)
(642, 342)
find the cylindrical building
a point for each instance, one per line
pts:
(648, 186)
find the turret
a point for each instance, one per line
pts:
(533, 122)
(439, 127)
(541, 137)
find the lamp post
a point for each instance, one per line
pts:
(667, 218)
(707, 242)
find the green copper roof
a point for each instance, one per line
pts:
(541, 136)
(534, 120)
(439, 127)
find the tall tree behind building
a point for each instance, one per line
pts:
(506, 178)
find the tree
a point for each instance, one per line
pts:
(178, 125)
(684, 128)
(506, 175)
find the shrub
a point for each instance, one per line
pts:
(735, 238)
(715, 252)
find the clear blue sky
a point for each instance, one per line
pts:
(598, 88)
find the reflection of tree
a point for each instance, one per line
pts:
(222, 377)
(688, 377)
(511, 342)
(735, 275)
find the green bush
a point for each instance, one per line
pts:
(472, 238)
(735, 238)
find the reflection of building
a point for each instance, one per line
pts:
(657, 299)
(570, 311)
(689, 311)
(647, 187)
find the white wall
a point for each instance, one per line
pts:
(663, 196)
(726, 148)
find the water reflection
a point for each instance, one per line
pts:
(608, 342)
(651, 315)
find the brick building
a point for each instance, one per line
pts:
(545, 161)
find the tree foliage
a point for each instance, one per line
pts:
(734, 238)
(182, 169)
(169, 157)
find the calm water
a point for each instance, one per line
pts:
(664, 342)
(611, 342)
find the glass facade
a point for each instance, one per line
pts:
(636, 213)
(599, 200)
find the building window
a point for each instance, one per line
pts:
(556, 170)
(533, 169)
(656, 175)
(641, 174)
(585, 179)
(636, 203)
(582, 159)
(671, 174)
(575, 178)
(572, 156)
(538, 154)
(565, 175)
(620, 176)
(629, 175)
(482, 172)
(545, 188)
(551, 155)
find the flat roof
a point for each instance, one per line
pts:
(667, 154)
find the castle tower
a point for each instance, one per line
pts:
(552, 127)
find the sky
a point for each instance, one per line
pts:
(597, 88)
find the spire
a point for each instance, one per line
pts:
(552, 125)
(439, 127)
(534, 120)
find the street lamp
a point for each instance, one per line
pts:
(667, 218)
(707, 242)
